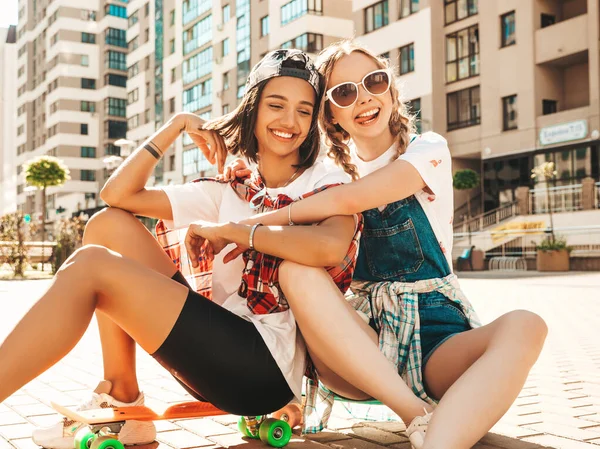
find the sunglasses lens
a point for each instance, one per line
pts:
(377, 83)
(344, 95)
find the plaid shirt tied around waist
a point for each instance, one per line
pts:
(395, 310)
(259, 284)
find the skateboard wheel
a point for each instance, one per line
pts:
(84, 438)
(106, 442)
(291, 413)
(275, 432)
(243, 428)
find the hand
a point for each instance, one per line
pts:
(234, 253)
(201, 233)
(235, 169)
(211, 143)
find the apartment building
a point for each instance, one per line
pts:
(521, 85)
(8, 94)
(71, 96)
(198, 57)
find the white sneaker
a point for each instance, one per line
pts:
(417, 430)
(62, 434)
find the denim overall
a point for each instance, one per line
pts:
(398, 244)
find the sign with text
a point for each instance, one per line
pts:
(564, 132)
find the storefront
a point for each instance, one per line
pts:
(573, 162)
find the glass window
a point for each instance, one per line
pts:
(226, 13)
(116, 10)
(414, 107)
(197, 66)
(549, 107)
(407, 59)
(87, 83)
(307, 42)
(88, 152)
(117, 37)
(463, 108)
(509, 113)
(462, 54)
(264, 26)
(88, 38)
(133, 19)
(198, 35)
(225, 47)
(508, 29)
(115, 129)
(83, 129)
(408, 7)
(297, 8)
(85, 60)
(88, 175)
(115, 60)
(376, 16)
(198, 97)
(115, 106)
(456, 10)
(194, 8)
(88, 106)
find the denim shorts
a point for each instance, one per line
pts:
(440, 319)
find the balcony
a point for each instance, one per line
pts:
(564, 43)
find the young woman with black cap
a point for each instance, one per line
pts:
(239, 349)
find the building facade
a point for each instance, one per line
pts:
(8, 94)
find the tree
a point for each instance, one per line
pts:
(547, 173)
(466, 179)
(14, 232)
(43, 172)
(68, 238)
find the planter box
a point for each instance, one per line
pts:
(557, 260)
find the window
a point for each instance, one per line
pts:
(198, 97)
(54, 39)
(197, 66)
(133, 44)
(297, 8)
(408, 7)
(115, 80)
(225, 47)
(88, 15)
(88, 152)
(147, 9)
(462, 54)
(83, 129)
(88, 38)
(88, 175)
(226, 13)
(407, 59)
(114, 36)
(507, 22)
(147, 116)
(147, 63)
(115, 10)
(133, 19)
(376, 16)
(385, 55)
(173, 75)
(548, 20)
(133, 70)
(172, 46)
(198, 35)
(549, 107)
(172, 105)
(146, 35)
(115, 106)
(264, 26)
(225, 80)
(414, 106)
(464, 108)
(509, 113)
(240, 91)
(147, 89)
(459, 9)
(225, 109)
(114, 129)
(115, 60)
(87, 83)
(88, 106)
(307, 42)
(133, 96)
(194, 8)
(85, 60)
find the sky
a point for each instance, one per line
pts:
(9, 14)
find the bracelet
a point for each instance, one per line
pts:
(252, 231)
(152, 151)
(290, 222)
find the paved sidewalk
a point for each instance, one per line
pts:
(559, 406)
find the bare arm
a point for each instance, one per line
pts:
(126, 189)
(319, 246)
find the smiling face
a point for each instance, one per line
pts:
(285, 114)
(369, 116)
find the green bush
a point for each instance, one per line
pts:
(68, 239)
(556, 244)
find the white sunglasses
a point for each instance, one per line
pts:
(345, 94)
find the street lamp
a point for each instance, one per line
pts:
(125, 145)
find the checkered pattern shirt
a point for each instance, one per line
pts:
(396, 313)
(259, 284)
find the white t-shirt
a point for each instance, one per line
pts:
(218, 203)
(430, 155)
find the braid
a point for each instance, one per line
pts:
(338, 150)
(401, 123)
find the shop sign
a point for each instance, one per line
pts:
(564, 132)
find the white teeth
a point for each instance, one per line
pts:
(371, 112)
(282, 134)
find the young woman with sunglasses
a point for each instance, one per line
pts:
(244, 357)
(403, 284)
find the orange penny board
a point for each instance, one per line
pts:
(110, 415)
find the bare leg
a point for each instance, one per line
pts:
(338, 338)
(479, 374)
(94, 277)
(120, 231)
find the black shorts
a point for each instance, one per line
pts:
(221, 358)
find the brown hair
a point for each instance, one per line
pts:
(237, 128)
(401, 122)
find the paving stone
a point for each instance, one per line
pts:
(205, 427)
(374, 435)
(513, 431)
(556, 442)
(388, 426)
(7, 418)
(236, 439)
(182, 439)
(34, 409)
(566, 431)
(354, 443)
(24, 443)
(16, 431)
(5, 444)
(327, 436)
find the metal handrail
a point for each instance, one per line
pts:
(488, 218)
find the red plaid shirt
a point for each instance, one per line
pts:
(259, 284)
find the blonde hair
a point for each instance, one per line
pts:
(401, 122)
